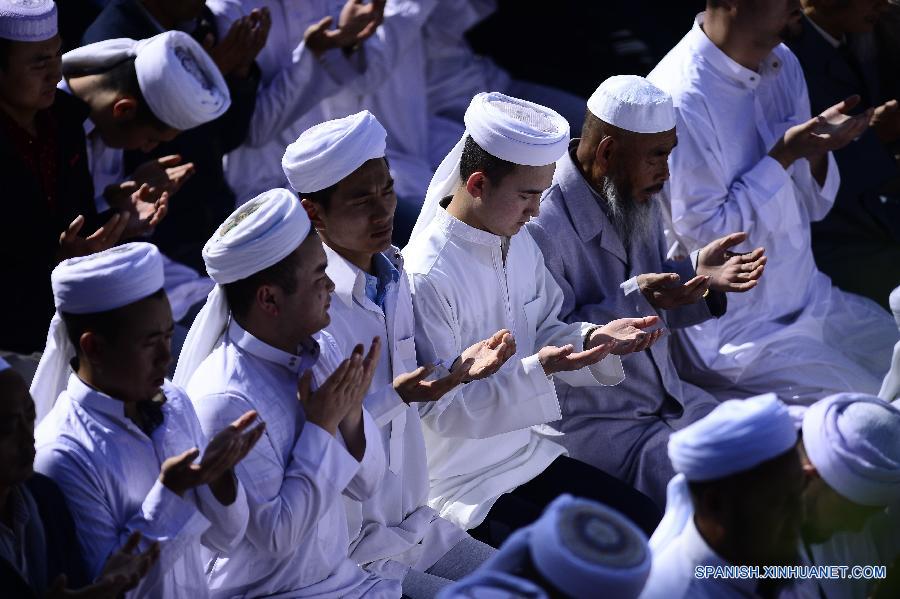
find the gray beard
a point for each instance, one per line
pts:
(634, 221)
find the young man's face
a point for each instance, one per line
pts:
(505, 206)
(29, 74)
(16, 429)
(306, 310)
(134, 361)
(359, 216)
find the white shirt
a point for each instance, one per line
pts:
(395, 529)
(108, 469)
(296, 543)
(479, 440)
(790, 333)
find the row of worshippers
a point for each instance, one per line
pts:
(259, 333)
(251, 92)
(276, 90)
(267, 306)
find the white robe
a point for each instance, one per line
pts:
(296, 543)
(395, 529)
(795, 333)
(479, 437)
(108, 469)
(298, 91)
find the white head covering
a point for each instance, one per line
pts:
(27, 20)
(88, 285)
(634, 104)
(578, 545)
(736, 436)
(511, 129)
(180, 82)
(852, 440)
(890, 386)
(328, 152)
(4, 365)
(256, 236)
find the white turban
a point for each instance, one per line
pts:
(738, 435)
(256, 236)
(581, 547)
(853, 441)
(634, 104)
(181, 84)
(325, 154)
(27, 20)
(511, 129)
(88, 285)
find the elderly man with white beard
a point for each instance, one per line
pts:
(600, 231)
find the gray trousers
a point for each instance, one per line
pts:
(463, 559)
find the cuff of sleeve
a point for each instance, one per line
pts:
(170, 514)
(770, 175)
(339, 68)
(544, 391)
(832, 179)
(323, 454)
(373, 458)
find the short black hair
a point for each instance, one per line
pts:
(108, 324)
(122, 78)
(240, 294)
(321, 197)
(475, 159)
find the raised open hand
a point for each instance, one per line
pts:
(487, 356)
(72, 246)
(729, 271)
(562, 359)
(626, 335)
(664, 291)
(121, 572)
(831, 130)
(357, 22)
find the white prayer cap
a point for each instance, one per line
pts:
(181, 84)
(736, 436)
(852, 440)
(511, 129)
(4, 365)
(256, 236)
(579, 546)
(90, 284)
(27, 20)
(325, 154)
(634, 104)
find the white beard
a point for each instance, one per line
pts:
(634, 221)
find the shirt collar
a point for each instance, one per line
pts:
(306, 356)
(836, 43)
(350, 281)
(386, 274)
(724, 64)
(94, 400)
(454, 227)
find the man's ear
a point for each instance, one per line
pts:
(475, 184)
(91, 346)
(267, 299)
(124, 109)
(314, 212)
(603, 153)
